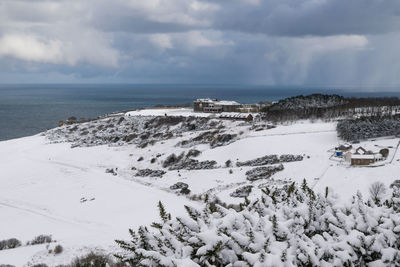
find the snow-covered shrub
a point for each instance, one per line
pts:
(313, 101)
(193, 153)
(9, 243)
(243, 191)
(263, 172)
(58, 249)
(180, 162)
(95, 260)
(270, 159)
(368, 127)
(41, 239)
(396, 183)
(119, 130)
(111, 171)
(290, 158)
(228, 163)
(172, 159)
(202, 138)
(192, 164)
(179, 185)
(150, 173)
(290, 227)
(222, 140)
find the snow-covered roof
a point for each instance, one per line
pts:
(227, 103)
(215, 101)
(205, 100)
(356, 156)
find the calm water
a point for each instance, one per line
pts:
(29, 109)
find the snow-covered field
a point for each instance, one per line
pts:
(51, 188)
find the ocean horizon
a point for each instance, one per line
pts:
(28, 109)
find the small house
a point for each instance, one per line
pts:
(362, 160)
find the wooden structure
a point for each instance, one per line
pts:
(236, 116)
(362, 160)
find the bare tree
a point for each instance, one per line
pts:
(377, 190)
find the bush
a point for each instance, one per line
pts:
(193, 153)
(95, 260)
(228, 163)
(58, 249)
(10, 243)
(172, 159)
(41, 239)
(150, 173)
(377, 190)
(384, 152)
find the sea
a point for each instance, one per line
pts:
(29, 109)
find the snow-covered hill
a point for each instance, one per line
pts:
(85, 187)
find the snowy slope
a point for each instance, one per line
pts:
(42, 183)
(41, 188)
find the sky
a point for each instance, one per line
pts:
(254, 42)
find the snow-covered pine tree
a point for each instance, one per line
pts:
(292, 226)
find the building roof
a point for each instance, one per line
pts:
(205, 100)
(361, 150)
(227, 103)
(356, 156)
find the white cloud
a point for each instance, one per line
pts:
(255, 41)
(184, 12)
(196, 39)
(162, 41)
(88, 48)
(30, 48)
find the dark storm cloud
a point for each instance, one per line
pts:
(308, 17)
(332, 42)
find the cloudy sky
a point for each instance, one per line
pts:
(263, 42)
